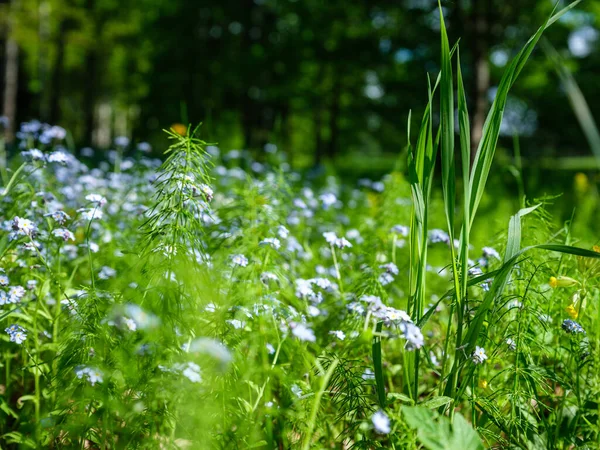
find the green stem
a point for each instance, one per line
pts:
(378, 365)
(316, 404)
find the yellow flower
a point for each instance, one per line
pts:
(483, 384)
(179, 128)
(596, 248)
(562, 282)
(581, 182)
(572, 312)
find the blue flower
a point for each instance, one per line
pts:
(16, 334)
(572, 327)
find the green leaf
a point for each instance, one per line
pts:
(400, 397)
(436, 402)
(463, 435)
(436, 433)
(7, 409)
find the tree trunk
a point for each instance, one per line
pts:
(11, 84)
(481, 72)
(89, 97)
(43, 63)
(334, 117)
(319, 150)
(57, 74)
(319, 144)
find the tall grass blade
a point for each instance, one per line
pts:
(576, 98)
(378, 366)
(447, 127)
(491, 129)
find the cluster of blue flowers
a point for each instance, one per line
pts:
(16, 333)
(572, 327)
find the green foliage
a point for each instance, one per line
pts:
(440, 434)
(214, 301)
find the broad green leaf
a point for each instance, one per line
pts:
(436, 433)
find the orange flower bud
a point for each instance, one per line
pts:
(179, 128)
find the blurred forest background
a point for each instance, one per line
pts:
(321, 80)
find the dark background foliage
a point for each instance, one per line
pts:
(322, 80)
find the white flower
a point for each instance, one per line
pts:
(273, 242)
(213, 348)
(34, 154)
(437, 235)
(413, 336)
(390, 268)
(58, 157)
(3, 280)
(296, 390)
(94, 376)
(266, 277)
(91, 374)
(144, 147)
(59, 216)
(512, 345)
(16, 334)
(24, 227)
(302, 332)
(64, 234)
(97, 199)
(91, 214)
(239, 260)
(402, 230)
(270, 349)
(192, 372)
(338, 334)
(299, 203)
(122, 141)
(489, 252)
(342, 243)
(237, 324)
(328, 199)
(207, 191)
(381, 422)
(385, 278)
(330, 237)
(15, 294)
(106, 273)
(368, 374)
(283, 232)
(479, 355)
(130, 324)
(70, 304)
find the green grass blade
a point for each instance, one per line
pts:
(576, 98)
(378, 366)
(464, 129)
(447, 127)
(491, 129)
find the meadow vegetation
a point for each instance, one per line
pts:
(217, 300)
